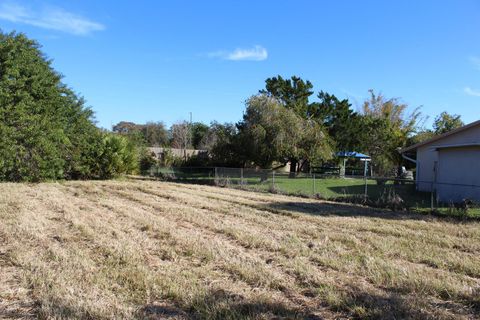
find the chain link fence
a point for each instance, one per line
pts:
(396, 194)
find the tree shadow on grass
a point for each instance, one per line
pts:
(221, 304)
(23, 310)
(407, 192)
(354, 303)
(391, 305)
(330, 208)
(161, 311)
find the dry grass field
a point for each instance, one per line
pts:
(154, 250)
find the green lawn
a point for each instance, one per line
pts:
(337, 188)
(323, 187)
(342, 187)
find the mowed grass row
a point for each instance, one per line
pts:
(138, 249)
(310, 185)
(347, 189)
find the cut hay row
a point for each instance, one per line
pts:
(146, 249)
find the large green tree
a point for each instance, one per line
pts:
(152, 134)
(387, 126)
(445, 122)
(224, 145)
(420, 136)
(155, 134)
(46, 130)
(293, 93)
(199, 131)
(272, 133)
(342, 123)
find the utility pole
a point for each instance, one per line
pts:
(190, 131)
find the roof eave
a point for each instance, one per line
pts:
(436, 138)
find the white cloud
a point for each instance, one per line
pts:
(471, 92)
(49, 18)
(475, 61)
(257, 53)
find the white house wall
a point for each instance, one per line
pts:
(427, 155)
(426, 158)
(458, 174)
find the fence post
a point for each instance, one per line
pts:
(365, 171)
(431, 197)
(216, 176)
(273, 179)
(366, 188)
(241, 176)
(314, 186)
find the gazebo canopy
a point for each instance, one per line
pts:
(351, 154)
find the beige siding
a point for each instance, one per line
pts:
(427, 155)
(458, 173)
(426, 158)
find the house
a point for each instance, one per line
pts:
(449, 164)
(160, 153)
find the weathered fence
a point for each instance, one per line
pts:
(375, 191)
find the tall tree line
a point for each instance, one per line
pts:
(46, 130)
(287, 123)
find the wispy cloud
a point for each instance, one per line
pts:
(257, 53)
(52, 18)
(471, 92)
(475, 61)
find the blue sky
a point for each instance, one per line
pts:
(159, 60)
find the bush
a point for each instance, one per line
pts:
(147, 161)
(197, 160)
(117, 155)
(46, 131)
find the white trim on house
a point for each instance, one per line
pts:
(453, 146)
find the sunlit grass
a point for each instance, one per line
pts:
(126, 249)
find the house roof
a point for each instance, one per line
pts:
(457, 146)
(441, 136)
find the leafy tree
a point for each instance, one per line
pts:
(445, 122)
(116, 155)
(47, 132)
(381, 142)
(224, 145)
(387, 127)
(272, 133)
(293, 93)
(199, 131)
(125, 127)
(155, 134)
(147, 160)
(421, 136)
(341, 122)
(152, 134)
(393, 110)
(315, 145)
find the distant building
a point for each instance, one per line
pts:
(177, 153)
(449, 164)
